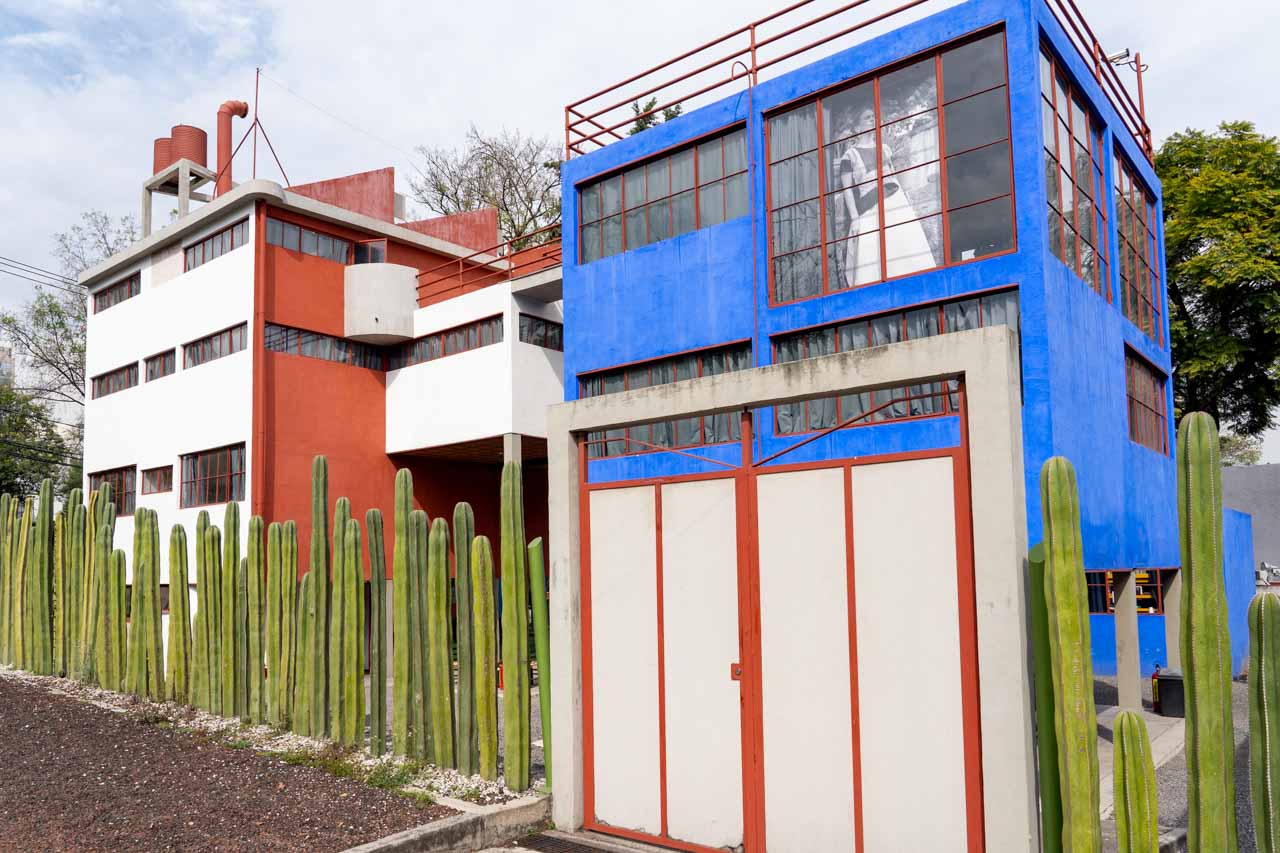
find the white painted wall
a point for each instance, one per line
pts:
(154, 423)
(480, 393)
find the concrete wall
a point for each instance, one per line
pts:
(1255, 489)
(987, 360)
(1238, 565)
(709, 287)
(204, 407)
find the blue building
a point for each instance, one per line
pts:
(971, 167)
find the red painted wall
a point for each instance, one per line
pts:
(475, 229)
(371, 193)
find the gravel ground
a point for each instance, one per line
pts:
(78, 776)
(1171, 778)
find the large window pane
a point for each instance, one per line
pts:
(682, 170)
(978, 175)
(710, 161)
(795, 227)
(793, 132)
(798, 275)
(793, 180)
(612, 229)
(854, 262)
(735, 152)
(851, 161)
(849, 113)
(910, 142)
(983, 229)
(912, 194)
(908, 247)
(736, 196)
(973, 67)
(590, 203)
(611, 196)
(590, 242)
(635, 187)
(909, 90)
(977, 120)
(711, 204)
(682, 213)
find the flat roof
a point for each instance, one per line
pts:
(277, 196)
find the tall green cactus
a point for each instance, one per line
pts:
(1046, 736)
(1206, 648)
(289, 619)
(1134, 776)
(256, 565)
(20, 627)
(418, 618)
(40, 588)
(274, 624)
(485, 671)
(541, 645)
(74, 589)
(1075, 719)
(145, 676)
(439, 665)
(178, 660)
(230, 628)
(402, 734)
(318, 659)
(1264, 719)
(515, 632)
(377, 632)
(300, 713)
(110, 639)
(338, 620)
(200, 678)
(351, 593)
(95, 594)
(464, 531)
(220, 665)
(5, 501)
(59, 598)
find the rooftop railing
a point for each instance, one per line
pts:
(782, 41)
(521, 256)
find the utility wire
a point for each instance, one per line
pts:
(342, 120)
(38, 270)
(41, 282)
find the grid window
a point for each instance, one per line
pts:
(1077, 187)
(122, 482)
(117, 293)
(156, 480)
(1148, 421)
(161, 364)
(297, 239)
(904, 172)
(541, 332)
(926, 400)
(686, 432)
(695, 187)
(481, 333)
(215, 346)
(1149, 590)
(115, 380)
(1138, 251)
(213, 476)
(217, 245)
(326, 347)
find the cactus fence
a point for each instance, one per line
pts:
(269, 645)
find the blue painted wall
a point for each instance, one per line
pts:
(1151, 645)
(1237, 563)
(709, 287)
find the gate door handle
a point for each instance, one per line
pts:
(735, 671)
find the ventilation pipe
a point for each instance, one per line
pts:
(225, 112)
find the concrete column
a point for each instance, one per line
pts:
(146, 213)
(1173, 622)
(1128, 670)
(511, 447)
(184, 188)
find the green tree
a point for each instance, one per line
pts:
(1222, 236)
(647, 118)
(1240, 449)
(31, 448)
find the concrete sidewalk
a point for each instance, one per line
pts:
(1167, 735)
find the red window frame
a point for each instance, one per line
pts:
(216, 245)
(905, 395)
(660, 193)
(123, 481)
(126, 288)
(459, 339)
(542, 332)
(289, 340)
(211, 477)
(114, 381)
(227, 342)
(1153, 588)
(1066, 117)
(1145, 390)
(621, 442)
(825, 189)
(307, 240)
(1138, 250)
(157, 480)
(161, 365)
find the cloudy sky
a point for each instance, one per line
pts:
(89, 83)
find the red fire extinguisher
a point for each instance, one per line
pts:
(1155, 690)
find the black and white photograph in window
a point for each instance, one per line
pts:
(891, 176)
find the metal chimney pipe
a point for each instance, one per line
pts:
(225, 112)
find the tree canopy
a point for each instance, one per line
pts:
(1222, 244)
(517, 174)
(31, 448)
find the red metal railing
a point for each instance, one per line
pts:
(746, 52)
(535, 251)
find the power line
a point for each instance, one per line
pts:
(40, 282)
(342, 120)
(36, 448)
(39, 270)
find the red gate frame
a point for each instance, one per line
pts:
(752, 699)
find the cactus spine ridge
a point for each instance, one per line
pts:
(377, 632)
(483, 627)
(402, 676)
(464, 531)
(179, 660)
(541, 645)
(1134, 777)
(256, 565)
(439, 665)
(1264, 719)
(318, 659)
(515, 640)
